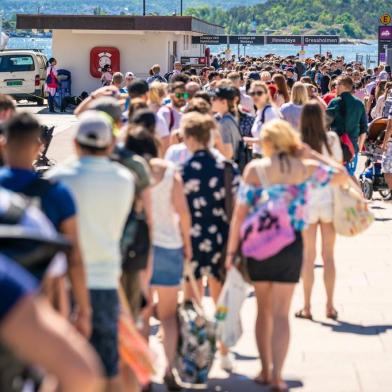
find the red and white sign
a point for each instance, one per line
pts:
(101, 56)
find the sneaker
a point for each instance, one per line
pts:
(226, 362)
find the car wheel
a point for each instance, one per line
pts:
(367, 188)
(40, 101)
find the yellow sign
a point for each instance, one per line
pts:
(385, 19)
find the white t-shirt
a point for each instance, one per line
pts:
(270, 113)
(171, 116)
(104, 193)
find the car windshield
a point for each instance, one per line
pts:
(16, 63)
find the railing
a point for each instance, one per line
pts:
(368, 61)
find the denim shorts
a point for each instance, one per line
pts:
(168, 266)
(104, 338)
(352, 166)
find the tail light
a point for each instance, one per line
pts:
(37, 80)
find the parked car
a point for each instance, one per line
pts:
(23, 74)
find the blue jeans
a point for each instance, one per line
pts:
(51, 102)
(352, 166)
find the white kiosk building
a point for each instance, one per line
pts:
(82, 44)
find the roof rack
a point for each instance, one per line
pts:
(20, 49)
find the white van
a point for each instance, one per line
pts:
(23, 74)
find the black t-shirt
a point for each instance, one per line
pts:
(324, 84)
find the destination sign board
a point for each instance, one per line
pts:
(321, 40)
(384, 41)
(210, 40)
(283, 40)
(246, 39)
(298, 40)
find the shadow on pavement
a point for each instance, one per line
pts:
(345, 327)
(383, 219)
(234, 383)
(240, 357)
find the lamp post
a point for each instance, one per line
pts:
(144, 7)
(181, 7)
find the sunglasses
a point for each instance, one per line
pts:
(256, 93)
(182, 95)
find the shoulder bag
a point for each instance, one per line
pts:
(351, 212)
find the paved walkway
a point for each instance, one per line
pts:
(353, 354)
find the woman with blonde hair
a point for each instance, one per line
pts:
(266, 112)
(282, 96)
(284, 177)
(291, 111)
(378, 110)
(156, 95)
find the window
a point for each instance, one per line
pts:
(16, 63)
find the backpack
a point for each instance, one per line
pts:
(345, 140)
(243, 154)
(34, 254)
(135, 241)
(267, 230)
(387, 106)
(51, 80)
(197, 341)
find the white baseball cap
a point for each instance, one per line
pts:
(129, 75)
(95, 129)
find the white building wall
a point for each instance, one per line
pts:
(138, 52)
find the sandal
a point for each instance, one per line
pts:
(261, 380)
(304, 315)
(332, 314)
(171, 382)
(282, 387)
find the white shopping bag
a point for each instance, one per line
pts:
(228, 316)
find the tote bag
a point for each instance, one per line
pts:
(351, 212)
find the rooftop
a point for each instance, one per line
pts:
(111, 22)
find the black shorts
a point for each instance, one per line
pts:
(284, 267)
(104, 338)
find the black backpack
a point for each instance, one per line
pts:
(135, 242)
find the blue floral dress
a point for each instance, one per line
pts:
(286, 265)
(203, 177)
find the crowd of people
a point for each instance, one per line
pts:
(166, 172)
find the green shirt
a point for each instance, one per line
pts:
(137, 165)
(348, 115)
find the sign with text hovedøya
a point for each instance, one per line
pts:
(321, 40)
(210, 40)
(246, 39)
(283, 40)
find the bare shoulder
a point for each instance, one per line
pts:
(251, 175)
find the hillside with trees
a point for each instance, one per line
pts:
(347, 18)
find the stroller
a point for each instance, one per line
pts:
(372, 178)
(43, 163)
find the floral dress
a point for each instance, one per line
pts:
(286, 265)
(204, 184)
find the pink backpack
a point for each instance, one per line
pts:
(267, 230)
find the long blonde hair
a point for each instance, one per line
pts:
(157, 92)
(299, 94)
(282, 136)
